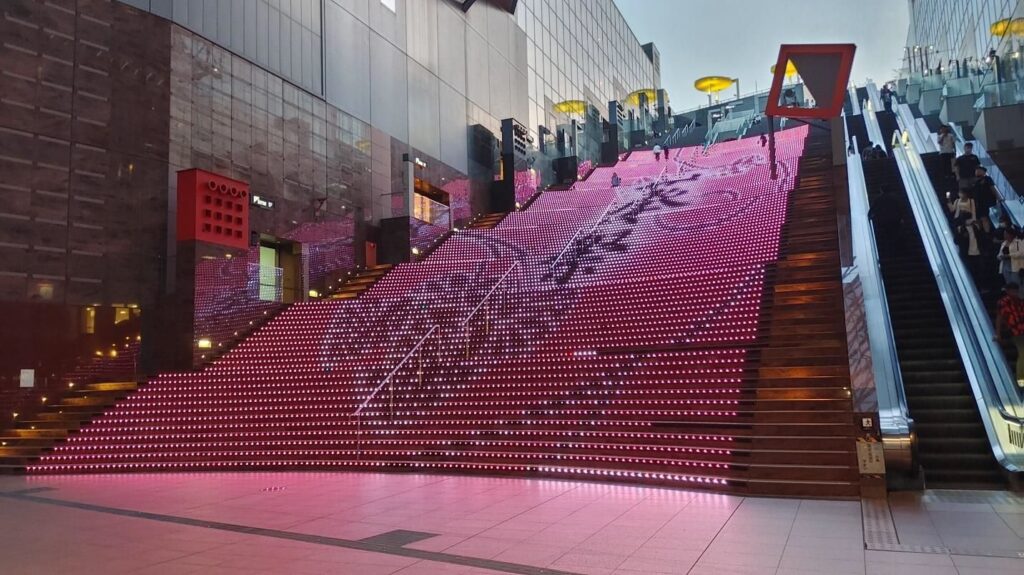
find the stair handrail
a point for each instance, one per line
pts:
(895, 422)
(572, 240)
(1012, 200)
(464, 324)
(991, 382)
(390, 376)
(487, 297)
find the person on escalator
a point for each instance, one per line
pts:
(947, 147)
(1011, 256)
(965, 165)
(967, 232)
(886, 95)
(984, 190)
(1010, 318)
(616, 180)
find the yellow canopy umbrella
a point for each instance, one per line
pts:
(1017, 26)
(790, 68)
(634, 98)
(711, 84)
(1000, 27)
(572, 107)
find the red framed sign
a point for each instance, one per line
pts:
(825, 70)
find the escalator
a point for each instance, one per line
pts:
(953, 447)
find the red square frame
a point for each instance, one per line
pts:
(822, 112)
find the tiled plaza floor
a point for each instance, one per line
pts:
(370, 524)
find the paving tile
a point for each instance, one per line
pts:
(904, 558)
(653, 565)
(708, 568)
(835, 566)
(908, 569)
(1008, 565)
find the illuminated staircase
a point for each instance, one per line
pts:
(683, 329)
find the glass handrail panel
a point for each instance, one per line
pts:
(959, 87)
(933, 82)
(994, 95)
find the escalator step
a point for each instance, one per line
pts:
(939, 431)
(930, 364)
(934, 402)
(933, 377)
(955, 445)
(945, 416)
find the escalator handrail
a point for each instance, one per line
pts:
(988, 374)
(875, 97)
(854, 101)
(908, 123)
(874, 132)
(893, 412)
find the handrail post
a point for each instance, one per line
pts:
(359, 436)
(391, 392)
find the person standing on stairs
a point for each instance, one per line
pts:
(1011, 318)
(657, 153)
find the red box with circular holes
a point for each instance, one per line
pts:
(213, 209)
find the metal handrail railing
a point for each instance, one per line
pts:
(993, 385)
(486, 299)
(390, 376)
(572, 240)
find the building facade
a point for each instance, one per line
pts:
(322, 115)
(944, 32)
